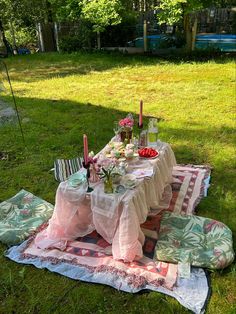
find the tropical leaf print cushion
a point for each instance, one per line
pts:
(22, 214)
(204, 242)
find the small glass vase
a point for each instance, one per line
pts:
(108, 186)
(126, 136)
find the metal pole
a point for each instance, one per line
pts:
(144, 27)
(145, 35)
(41, 37)
(56, 35)
(14, 101)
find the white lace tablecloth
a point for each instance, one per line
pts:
(116, 217)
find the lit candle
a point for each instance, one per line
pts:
(85, 149)
(140, 121)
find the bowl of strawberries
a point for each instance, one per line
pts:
(148, 152)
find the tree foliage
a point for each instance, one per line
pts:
(22, 12)
(102, 13)
(18, 17)
(66, 10)
(172, 11)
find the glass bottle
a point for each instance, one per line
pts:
(152, 132)
(143, 138)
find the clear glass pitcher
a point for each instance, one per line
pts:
(152, 132)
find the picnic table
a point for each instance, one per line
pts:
(116, 216)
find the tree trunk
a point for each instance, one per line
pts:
(194, 33)
(4, 38)
(48, 18)
(190, 32)
(99, 40)
(12, 31)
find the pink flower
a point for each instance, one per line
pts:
(126, 122)
(92, 160)
(105, 162)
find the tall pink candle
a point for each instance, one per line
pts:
(140, 121)
(85, 139)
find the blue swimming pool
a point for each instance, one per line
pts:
(224, 42)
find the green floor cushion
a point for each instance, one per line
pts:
(205, 242)
(21, 215)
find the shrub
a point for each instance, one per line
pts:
(169, 41)
(119, 35)
(25, 37)
(70, 43)
(77, 36)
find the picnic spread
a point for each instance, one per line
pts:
(115, 216)
(124, 218)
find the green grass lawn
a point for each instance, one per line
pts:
(60, 97)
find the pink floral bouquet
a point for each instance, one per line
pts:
(92, 160)
(126, 126)
(126, 123)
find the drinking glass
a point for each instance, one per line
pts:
(135, 141)
(116, 129)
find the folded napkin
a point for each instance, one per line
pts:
(143, 172)
(77, 178)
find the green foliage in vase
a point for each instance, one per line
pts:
(107, 173)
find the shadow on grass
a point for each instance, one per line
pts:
(51, 122)
(54, 129)
(48, 65)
